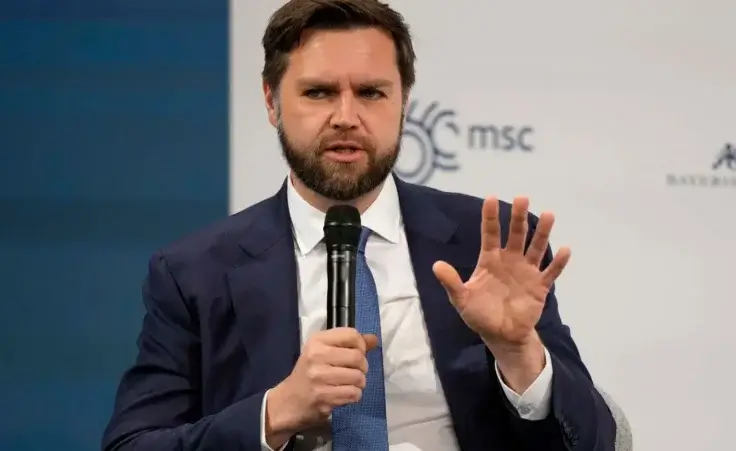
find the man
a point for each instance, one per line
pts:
(469, 351)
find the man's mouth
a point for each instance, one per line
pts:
(344, 151)
(344, 147)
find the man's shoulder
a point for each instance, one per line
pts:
(466, 213)
(217, 244)
(462, 206)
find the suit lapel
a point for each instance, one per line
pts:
(264, 292)
(459, 354)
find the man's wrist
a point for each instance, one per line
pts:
(280, 421)
(520, 365)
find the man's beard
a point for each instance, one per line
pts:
(335, 180)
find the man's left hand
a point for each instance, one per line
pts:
(504, 297)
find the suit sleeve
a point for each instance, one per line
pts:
(580, 418)
(158, 402)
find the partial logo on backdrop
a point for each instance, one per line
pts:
(727, 157)
(722, 173)
(434, 140)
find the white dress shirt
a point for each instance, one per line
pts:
(416, 410)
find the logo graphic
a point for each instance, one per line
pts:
(727, 158)
(431, 136)
(723, 173)
(422, 128)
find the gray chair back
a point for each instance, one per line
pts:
(624, 436)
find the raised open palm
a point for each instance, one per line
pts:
(504, 297)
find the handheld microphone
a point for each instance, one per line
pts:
(342, 237)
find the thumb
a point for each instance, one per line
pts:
(371, 341)
(451, 281)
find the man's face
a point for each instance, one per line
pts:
(339, 111)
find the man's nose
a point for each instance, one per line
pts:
(345, 116)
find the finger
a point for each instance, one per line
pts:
(553, 271)
(451, 281)
(345, 358)
(371, 342)
(335, 375)
(518, 226)
(343, 337)
(538, 246)
(343, 394)
(490, 229)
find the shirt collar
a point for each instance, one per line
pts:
(383, 217)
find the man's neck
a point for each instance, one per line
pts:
(322, 203)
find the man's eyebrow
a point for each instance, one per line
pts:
(309, 82)
(374, 83)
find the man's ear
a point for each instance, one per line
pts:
(271, 97)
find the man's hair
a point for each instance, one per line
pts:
(289, 22)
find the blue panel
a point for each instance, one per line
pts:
(113, 142)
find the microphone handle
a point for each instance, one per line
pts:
(341, 269)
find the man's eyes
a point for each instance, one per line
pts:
(321, 93)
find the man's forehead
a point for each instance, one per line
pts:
(359, 57)
(337, 79)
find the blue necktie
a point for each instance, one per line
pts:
(362, 426)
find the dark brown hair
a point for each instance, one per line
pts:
(289, 22)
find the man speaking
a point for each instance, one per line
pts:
(458, 343)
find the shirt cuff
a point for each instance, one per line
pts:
(534, 403)
(264, 445)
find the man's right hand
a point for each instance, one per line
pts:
(331, 372)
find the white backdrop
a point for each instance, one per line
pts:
(627, 106)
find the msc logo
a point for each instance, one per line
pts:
(725, 160)
(431, 135)
(423, 129)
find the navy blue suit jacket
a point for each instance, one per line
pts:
(222, 327)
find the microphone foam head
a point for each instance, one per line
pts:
(342, 225)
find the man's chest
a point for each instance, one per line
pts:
(408, 363)
(413, 389)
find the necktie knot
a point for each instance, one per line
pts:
(364, 234)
